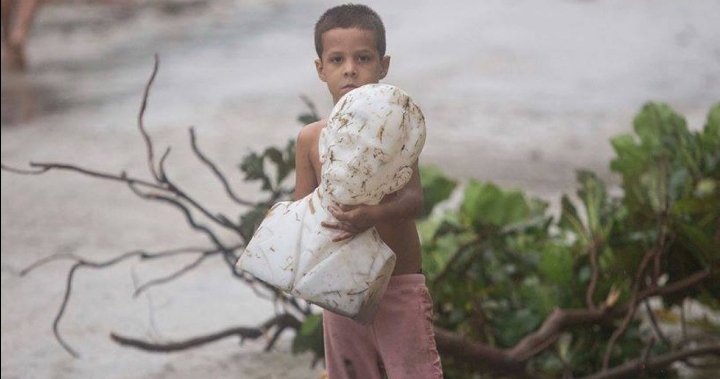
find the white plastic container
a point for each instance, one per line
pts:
(367, 150)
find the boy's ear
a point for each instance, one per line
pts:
(319, 68)
(385, 63)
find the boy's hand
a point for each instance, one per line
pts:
(352, 220)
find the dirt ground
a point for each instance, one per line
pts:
(518, 92)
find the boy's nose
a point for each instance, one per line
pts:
(350, 70)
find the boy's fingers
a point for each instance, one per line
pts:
(331, 225)
(342, 236)
(344, 226)
(346, 208)
(340, 215)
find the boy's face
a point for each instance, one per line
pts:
(350, 59)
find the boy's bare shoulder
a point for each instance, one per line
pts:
(310, 133)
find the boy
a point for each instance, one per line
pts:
(350, 43)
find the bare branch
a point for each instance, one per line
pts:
(186, 212)
(61, 311)
(174, 189)
(216, 171)
(143, 255)
(653, 321)
(81, 262)
(172, 276)
(43, 167)
(141, 125)
(281, 322)
(21, 171)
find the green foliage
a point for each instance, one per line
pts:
(253, 165)
(310, 336)
(254, 168)
(500, 264)
(436, 187)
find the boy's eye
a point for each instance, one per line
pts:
(335, 59)
(364, 58)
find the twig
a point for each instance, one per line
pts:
(81, 262)
(43, 167)
(140, 122)
(172, 276)
(216, 171)
(653, 321)
(223, 221)
(282, 322)
(646, 354)
(186, 212)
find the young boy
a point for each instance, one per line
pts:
(350, 43)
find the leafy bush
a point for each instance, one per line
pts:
(501, 264)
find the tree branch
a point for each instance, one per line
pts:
(81, 262)
(631, 309)
(172, 276)
(141, 125)
(216, 171)
(281, 322)
(512, 359)
(635, 367)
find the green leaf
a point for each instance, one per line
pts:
(436, 187)
(655, 122)
(254, 168)
(250, 221)
(594, 197)
(569, 217)
(485, 204)
(310, 336)
(556, 264)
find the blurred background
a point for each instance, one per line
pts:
(518, 92)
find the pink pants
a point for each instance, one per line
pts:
(400, 339)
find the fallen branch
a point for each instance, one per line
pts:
(280, 322)
(512, 360)
(636, 367)
(165, 190)
(80, 263)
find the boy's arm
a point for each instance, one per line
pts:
(305, 181)
(403, 204)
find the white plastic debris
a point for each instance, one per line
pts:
(367, 150)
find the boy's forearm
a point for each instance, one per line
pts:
(405, 204)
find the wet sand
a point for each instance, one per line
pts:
(514, 91)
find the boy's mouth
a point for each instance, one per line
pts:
(349, 87)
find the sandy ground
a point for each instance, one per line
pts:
(518, 92)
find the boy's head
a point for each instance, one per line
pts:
(350, 43)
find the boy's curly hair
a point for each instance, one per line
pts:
(350, 16)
